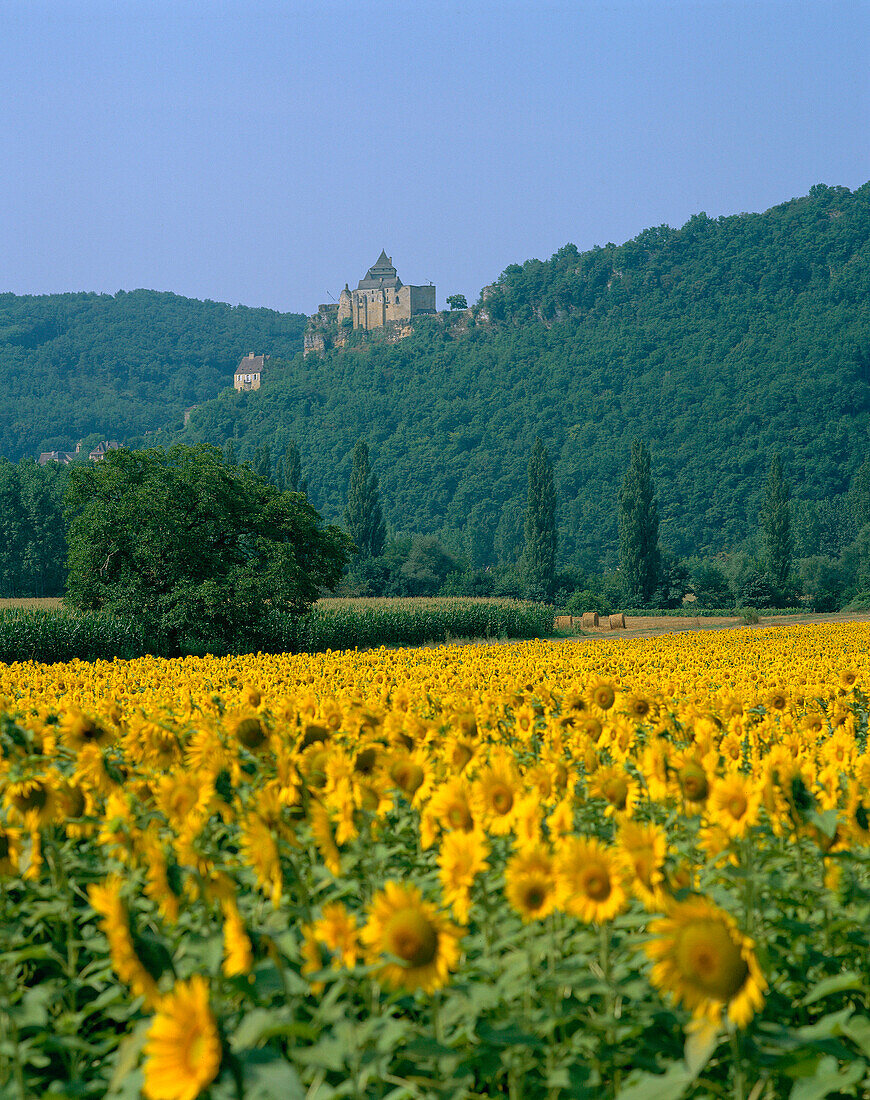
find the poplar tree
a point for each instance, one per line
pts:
(294, 482)
(263, 462)
(539, 557)
(776, 525)
(639, 554)
(363, 516)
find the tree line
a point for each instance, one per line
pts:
(41, 506)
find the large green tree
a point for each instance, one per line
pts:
(539, 554)
(776, 525)
(639, 554)
(199, 549)
(363, 516)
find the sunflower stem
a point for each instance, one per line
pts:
(739, 1080)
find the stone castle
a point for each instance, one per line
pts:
(379, 300)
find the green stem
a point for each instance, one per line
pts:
(739, 1080)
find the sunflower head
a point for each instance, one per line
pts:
(249, 732)
(703, 960)
(421, 944)
(183, 1050)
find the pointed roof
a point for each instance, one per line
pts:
(380, 274)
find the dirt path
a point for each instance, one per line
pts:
(651, 626)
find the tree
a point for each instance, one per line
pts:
(457, 301)
(196, 548)
(363, 516)
(294, 482)
(639, 554)
(263, 462)
(710, 587)
(776, 526)
(539, 556)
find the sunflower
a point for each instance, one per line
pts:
(617, 787)
(603, 694)
(530, 885)
(449, 808)
(693, 780)
(638, 707)
(10, 850)
(462, 857)
(182, 1051)
(589, 880)
(642, 849)
(734, 803)
(423, 944)
(260, 852)
(33, 801)
(80, 729)
(321, 830)
(495, 794)
(848, 679)
(337, 931)
(702, 959)
(105, 898)
(238, 955)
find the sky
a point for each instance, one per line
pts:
(264, 153)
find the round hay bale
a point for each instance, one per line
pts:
(590, 618)
(617, 622)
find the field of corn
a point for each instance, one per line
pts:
(637, 870)
(56, 634)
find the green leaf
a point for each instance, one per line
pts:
(828, 1078)
(702, 1038)
(858, 1030)
(838, 983)
(670, 1085)
(269, 1077)
(126, 1079)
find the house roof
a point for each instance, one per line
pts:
(249, 363)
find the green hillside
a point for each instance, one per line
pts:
(78, 364)
(719, 344)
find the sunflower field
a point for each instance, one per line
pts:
(634, 869)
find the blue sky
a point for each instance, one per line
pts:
(264, 153)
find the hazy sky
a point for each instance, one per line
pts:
(264, 153)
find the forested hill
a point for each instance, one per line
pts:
(719, 344)
(72, 365)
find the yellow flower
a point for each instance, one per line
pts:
(617, 787)
(260, 852)
(530, 884)
(734, 804)
(495, 793)
(424, 944)
(449, 807)
(705, 962)
(10, 850)
(321, 829)
(462, 857)
(589, 880)
(643, 849)
(603, 694)
(83, 729)
(106, 900)
(238, 955)
(183, 1050)
(338, 931)
(693, 780)
(33, 801)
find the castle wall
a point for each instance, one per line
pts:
(422, 299)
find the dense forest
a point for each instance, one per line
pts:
(76, 366)
(720, 344)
